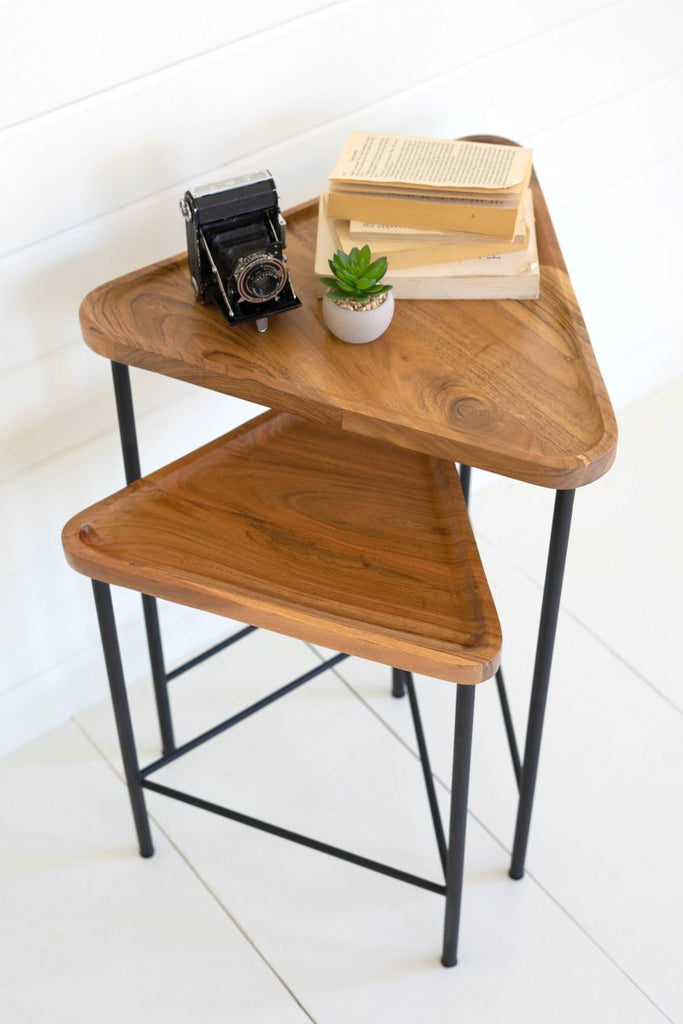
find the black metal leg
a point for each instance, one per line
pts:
(126, 417)
(112, 657)
(426, 770)
(398, 686)
(509, 728)
(131, 462)
(462, 749)
(557, 555)
(159, 675)
(465, 473)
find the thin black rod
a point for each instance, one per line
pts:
(462, 752)
(159, 676)
(465, 473)
(296, 837)
(199, 658)
(126, 417)
(241, 715)
(557, 556)
(398, 688)
(426, 770)
(509, 727)
(124, 726)
(125, 412)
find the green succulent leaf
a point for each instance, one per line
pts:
(365, 283)
(356, 275)
(378, 268)
(345, 275)
(362, 259)
(341, 260)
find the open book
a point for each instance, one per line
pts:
(432, 184)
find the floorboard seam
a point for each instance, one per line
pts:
(245, 935)
(565, 610)
(528, 874)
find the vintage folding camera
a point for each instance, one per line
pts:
(235, 248)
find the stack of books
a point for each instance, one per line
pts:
(454, 219)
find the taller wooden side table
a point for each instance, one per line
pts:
(512, 387)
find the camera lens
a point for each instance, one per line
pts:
(260, 277)
(261, 283)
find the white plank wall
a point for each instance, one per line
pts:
(108, 111)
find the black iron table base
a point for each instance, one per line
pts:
(451, 849)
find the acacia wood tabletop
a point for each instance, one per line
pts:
(509, 386)
(320, 534)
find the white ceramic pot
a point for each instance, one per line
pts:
(358, 326)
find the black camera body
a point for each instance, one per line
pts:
(235, 248)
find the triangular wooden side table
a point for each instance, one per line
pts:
(321, 535)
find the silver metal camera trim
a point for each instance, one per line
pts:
(214, 270)
(220, 186)
(246, 262)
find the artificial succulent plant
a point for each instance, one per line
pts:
(356, 276)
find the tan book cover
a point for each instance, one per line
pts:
(479, 218)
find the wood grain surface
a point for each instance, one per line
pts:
(509, 386)
(313, 532)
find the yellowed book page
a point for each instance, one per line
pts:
(376, 157)
(384, 235)
(501, 196)
(425, 254)
(327, 241)
(369, 231)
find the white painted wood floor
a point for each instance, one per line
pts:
(227, 924)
